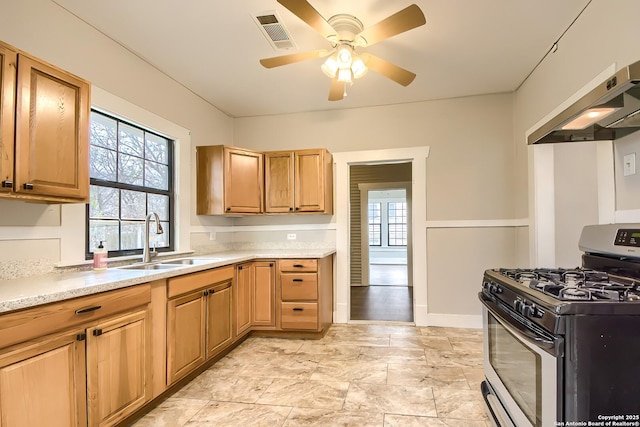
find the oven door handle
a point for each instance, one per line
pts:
(526, 333)
(499, 416)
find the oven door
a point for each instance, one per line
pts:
(520, 365)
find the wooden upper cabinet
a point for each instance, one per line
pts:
(229, 181)
(8, 58)
(44, 130)
(52, 131)
(299, 181)
(279, 180)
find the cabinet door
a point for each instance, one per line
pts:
(42, 383)
(8, 58)
(118, 367)
(185, 334)
(52, 132)
(219, 319)
(244, 279)
(310, 179)
(244, 177)
(279, 181)
(263, 307)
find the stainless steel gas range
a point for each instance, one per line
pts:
(562, 346)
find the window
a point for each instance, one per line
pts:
(375, 221)
(131, 175)
(397, 224)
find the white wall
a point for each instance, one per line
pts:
(469, 179)
(606, 34)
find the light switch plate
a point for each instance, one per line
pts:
(291, 236)
(629, 162)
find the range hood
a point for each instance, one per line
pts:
(610, 111)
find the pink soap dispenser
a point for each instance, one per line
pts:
(100, 258)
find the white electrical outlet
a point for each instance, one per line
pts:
(212, 235)
(291, 236)
(629, 162)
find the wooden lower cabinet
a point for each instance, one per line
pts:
(263, 294)
(306, 294)
(199, 319)
(42, 383)
(245, 275)
(185, 334)
(118, 367)
(219, 318)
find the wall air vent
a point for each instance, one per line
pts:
(275, 33)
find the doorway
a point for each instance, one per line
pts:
(381, 280)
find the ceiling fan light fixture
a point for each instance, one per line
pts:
(344, 75)
(358, 68)
(330, 66)
(344, 56)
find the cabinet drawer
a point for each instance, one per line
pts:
(302, 265)
(38, 321)
(301, 315)
(191, 282)
(302, 286)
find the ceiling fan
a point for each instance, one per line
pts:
(346, 33)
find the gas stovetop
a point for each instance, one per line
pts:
(577, 284)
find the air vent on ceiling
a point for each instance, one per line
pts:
(275, 33)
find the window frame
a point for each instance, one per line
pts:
(370, 223)
(403, 224)
(170, 192)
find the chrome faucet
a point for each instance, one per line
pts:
(146, 255)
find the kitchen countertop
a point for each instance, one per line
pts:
(16, 294)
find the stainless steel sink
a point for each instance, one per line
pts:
(150, 267)
(189, 261)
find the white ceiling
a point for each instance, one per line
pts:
(212, 47)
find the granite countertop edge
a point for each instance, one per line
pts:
(26, 292)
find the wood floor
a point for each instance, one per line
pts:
(388, 298)
(388, 303)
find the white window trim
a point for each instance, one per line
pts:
(72, 235)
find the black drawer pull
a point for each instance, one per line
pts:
(27, 186)
(88, 309)
(297, 280)
(298, 309)
(298, 265)
(97, 332)
(81, 337)
(7, 184)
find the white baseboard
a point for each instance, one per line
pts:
(454, 320)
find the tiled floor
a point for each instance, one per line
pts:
(357, 375)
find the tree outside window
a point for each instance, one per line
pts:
(131, 175)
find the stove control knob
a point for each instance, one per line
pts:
(495, 289)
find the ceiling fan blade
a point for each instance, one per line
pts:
(303, 10)
(336, 93)
(278, 61)
(387, 69)
(405, 20)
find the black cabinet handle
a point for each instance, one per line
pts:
(228, 209)
(88, 309)
(7, 184)
(97, 332)
(81, 337)
(297, 280)
(211, 291)
(205, 293)
(298, 265)
(240, 267)
(27, 186)
(298, 309)
(270, 264)
(297, 208)
(290, 209)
